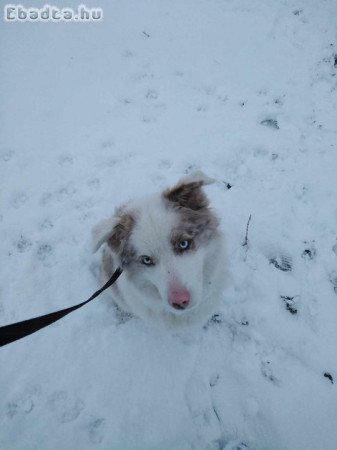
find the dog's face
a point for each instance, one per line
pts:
(167, 246)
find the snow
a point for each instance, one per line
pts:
(94, 114)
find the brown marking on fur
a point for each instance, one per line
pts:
(195, 226)
(187, 195)
(119, 240)
(197, 221)
(177, 237)
(107, 263)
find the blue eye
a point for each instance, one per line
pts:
(184, 244)
(146, 260)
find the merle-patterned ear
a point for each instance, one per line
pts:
(187, 192)
(102, 232)
(115, 231)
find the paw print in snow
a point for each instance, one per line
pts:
(128, 53)
(65, 160)
(334, 249)
(236, 445)
(19, 199)
(151, 94)
(66, 406)
(282, 262)
(271, 123)
(267, 371)
(290, 303)
(23, 244)
(23, 403)
(333, 280)
(25, 406)
(309, 253)
(93, 184)
(44, 251)
(96, 431)
(7, 155)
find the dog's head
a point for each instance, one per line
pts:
(169, 247)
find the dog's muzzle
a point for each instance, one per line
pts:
(179, 298)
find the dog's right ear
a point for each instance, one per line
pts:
(188, 191)
(115, 231)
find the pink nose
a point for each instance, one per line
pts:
(179, 298)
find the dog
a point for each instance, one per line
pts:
(171, 250)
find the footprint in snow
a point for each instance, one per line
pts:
(151, 94)
(271, 123)
(21, 406)
(267, 371)
(279, 101)
(236, 445)
(65, 160)
(333, 280)
(309, 253)
(203, 413)
(93, 184)
(214, 380)
(290, 304)
(59, 196)
(23, 403)
(202, 108)
(97, 430)
(108, 144)
(165, 164)
(334, 249)
(44, 251)
(18, 200)
(281, 262)
(23, 245)
(128, 53)
(148, 119)
(179, 73)
(64, 193)
(7, 155)
(46, 224)
(65, 406)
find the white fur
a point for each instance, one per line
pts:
(102, 231)
(143, 291)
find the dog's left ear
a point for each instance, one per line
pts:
(115, 231)
(102, 232)
(188, 193)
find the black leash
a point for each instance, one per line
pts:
(18, 330)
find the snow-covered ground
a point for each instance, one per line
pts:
(94, 114)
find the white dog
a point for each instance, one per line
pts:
(171, 251)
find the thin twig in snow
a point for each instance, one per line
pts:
(246, 237)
